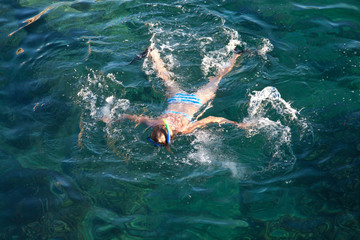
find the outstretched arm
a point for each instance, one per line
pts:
(141, 119)
(138, 119)
(203, 122)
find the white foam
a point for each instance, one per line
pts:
(88, 97)
(107, 107)
(208, 150)
(202, 152)
(206, 146)
(171, 61)
(273, 116)
(119, 107)
(110, 100)
(265, 48)
(237, 171)
(167, 41)
(99, 107)
(259, 100)
(147, 67)
(205, 41)
(215, 60)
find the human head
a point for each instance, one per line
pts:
(158, 135)
(161, 135)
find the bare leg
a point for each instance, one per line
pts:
(171, 86)
(208, 91)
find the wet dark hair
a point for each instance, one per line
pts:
(158, 135)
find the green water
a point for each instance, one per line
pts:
(67, 175)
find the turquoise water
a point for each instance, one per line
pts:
(67, 175)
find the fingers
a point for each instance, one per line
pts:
(106, 119)
(243, 125)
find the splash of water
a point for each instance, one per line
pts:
(265, 48)
(93, 93)
(163, 40)
(203, 150)
(272, 116)
(166, 40)
(209, 149)
(217, 59)
(270, 95)
(262, 104)
(97, 107)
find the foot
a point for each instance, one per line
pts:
(142, 55)
(146, 52)
(238, 50)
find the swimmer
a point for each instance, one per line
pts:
(178, 118)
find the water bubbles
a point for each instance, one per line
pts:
(265, 48)
(98, 106)
(215, 60)
(202, 147)
(215, 49)
(270, 95)
(271, 115)
(275, 120)
(268, 111)
(110, 99)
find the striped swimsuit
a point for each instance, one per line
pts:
(186, 99)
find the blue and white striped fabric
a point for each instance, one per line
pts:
(185, 98)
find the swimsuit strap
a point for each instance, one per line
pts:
(185, 98)
(184, 114)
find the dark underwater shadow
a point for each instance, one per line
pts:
(39, 204)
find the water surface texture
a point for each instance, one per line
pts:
(65, 174)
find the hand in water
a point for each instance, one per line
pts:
(106, 119)
(245, 125)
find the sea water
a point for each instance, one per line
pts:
(292, 174)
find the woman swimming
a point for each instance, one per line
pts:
(178, 118)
